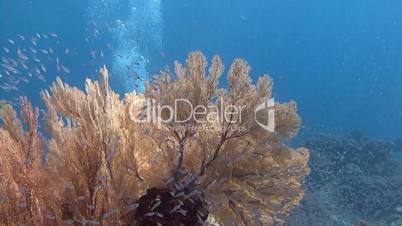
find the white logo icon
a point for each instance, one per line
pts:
(269, 106)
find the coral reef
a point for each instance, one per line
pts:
(353, 178)
(104, 167)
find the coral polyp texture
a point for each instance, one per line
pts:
(100, 165)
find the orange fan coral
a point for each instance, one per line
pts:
(25, 194)
(183, 153)
(246, 174)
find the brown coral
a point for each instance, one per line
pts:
(106, 168)
(25, 194)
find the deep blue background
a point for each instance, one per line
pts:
(341, 60)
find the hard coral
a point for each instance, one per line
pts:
(163, 207)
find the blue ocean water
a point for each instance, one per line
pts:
(340, 60)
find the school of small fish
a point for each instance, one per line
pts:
(42, 56)
(24, 58)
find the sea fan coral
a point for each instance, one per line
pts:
(107, 165)
(25, 194)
